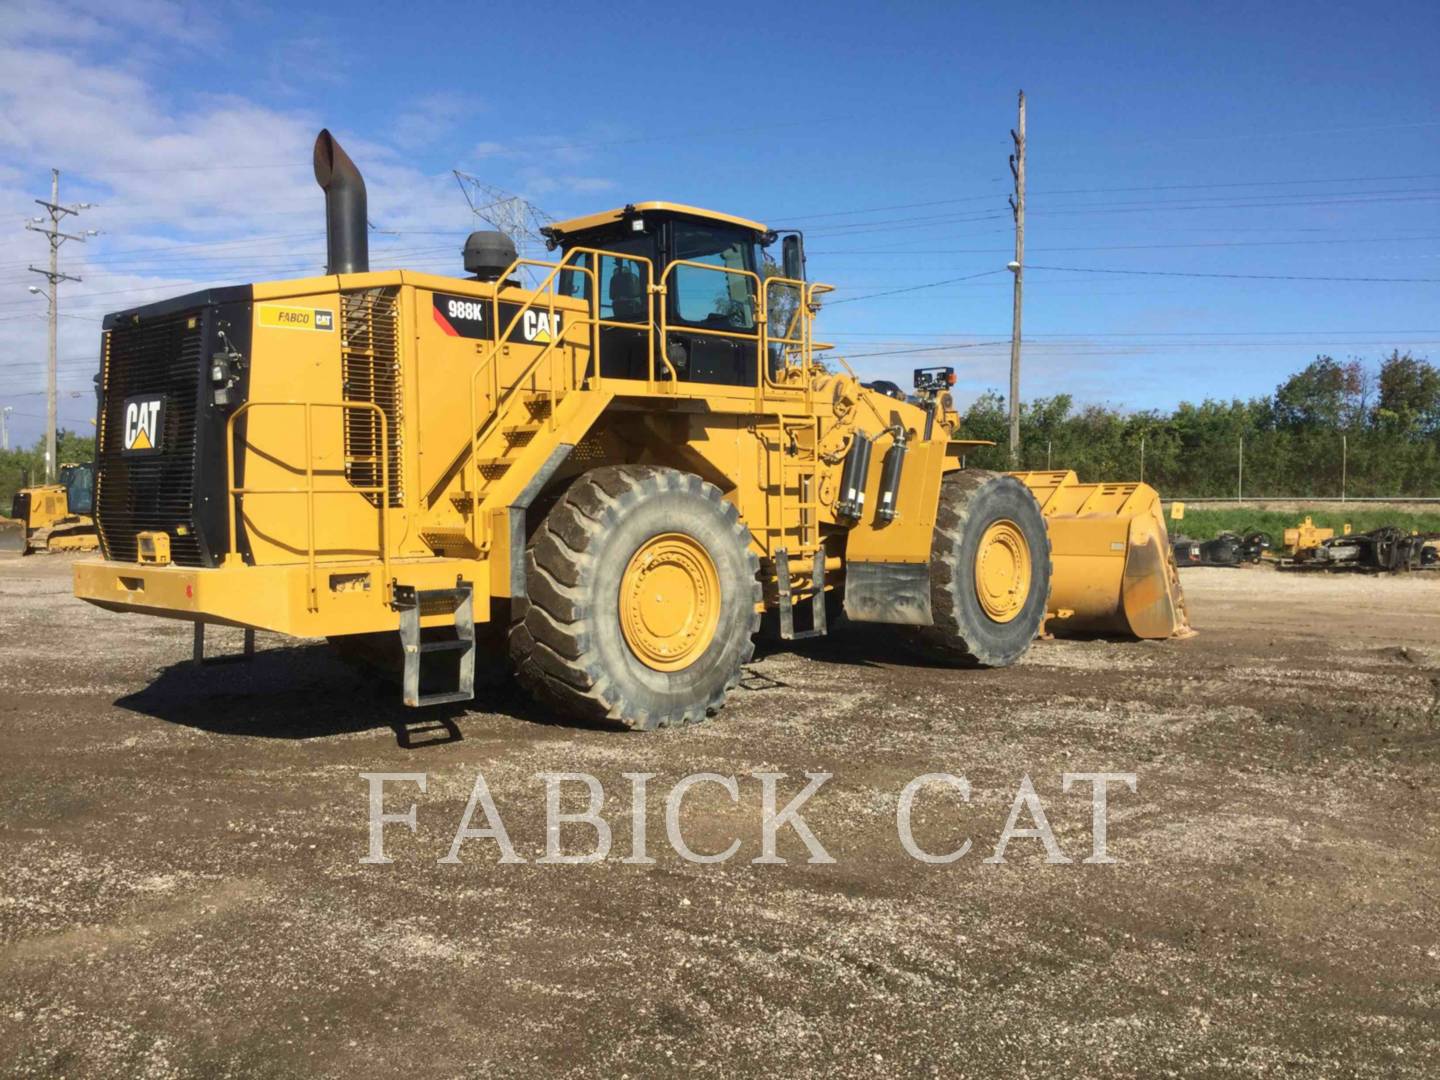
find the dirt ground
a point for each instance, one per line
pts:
(183, 895)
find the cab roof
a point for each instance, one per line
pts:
(592, 221)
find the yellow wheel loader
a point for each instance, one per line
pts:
(54, 517)
(606, 465)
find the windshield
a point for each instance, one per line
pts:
(79, 487)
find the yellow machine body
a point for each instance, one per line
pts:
(375, 445)
(1114, 568)
(311, 456)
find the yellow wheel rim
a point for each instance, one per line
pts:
(1002, 571)
(670, 601)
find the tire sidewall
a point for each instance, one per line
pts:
(704, 520)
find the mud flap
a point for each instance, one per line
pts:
(888, 593)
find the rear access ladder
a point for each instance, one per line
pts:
(412, 602)
(799, 464)
(787, 599)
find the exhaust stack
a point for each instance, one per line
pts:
(347, 240)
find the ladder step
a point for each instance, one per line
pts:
(411, 601)
(442, 699)
(443, 594)
(456, 645)
(787, 600)
(494, 462)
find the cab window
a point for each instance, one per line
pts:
(709, 298)
(622, 282)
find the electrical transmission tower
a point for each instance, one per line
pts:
(518, 218)
(55, 213)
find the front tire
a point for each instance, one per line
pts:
(989, 570)
(642, 600)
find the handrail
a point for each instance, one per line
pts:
(481, 429)
(563, 379)
(800, 321)
(233, 493)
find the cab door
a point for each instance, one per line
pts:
(712, 332)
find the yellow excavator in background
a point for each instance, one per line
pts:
(615, 469)
(53, 517)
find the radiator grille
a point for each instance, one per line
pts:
(159, 356)
(370, 359)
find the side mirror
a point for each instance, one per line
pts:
(793, 256)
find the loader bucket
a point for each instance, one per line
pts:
(1113, 567)
(12, 536)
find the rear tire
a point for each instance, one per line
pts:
(987, 526)
(622, 621)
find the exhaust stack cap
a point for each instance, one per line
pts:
(347, 240)
(488, 254)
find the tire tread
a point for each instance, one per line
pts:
(550, 636)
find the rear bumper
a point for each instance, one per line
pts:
(350, 598)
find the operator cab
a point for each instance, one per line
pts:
(709, 264)
(79, 484)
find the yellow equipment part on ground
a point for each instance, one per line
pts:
(1114, 569)
(1307, 535)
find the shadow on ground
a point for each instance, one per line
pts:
(306, 692)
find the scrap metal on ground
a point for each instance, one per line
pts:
(1227, 549)
(1388, 549)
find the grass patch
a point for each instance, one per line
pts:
(1205, 524)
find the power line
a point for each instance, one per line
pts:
(203, 282)
(914, 288)
(1133, 333)
(1243, 277)
(926, 349)
(1150, 208)
(1138, 247)
(105, 256)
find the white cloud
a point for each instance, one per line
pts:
(216, 188)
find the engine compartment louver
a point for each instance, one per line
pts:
(151, 358)
(370, 368)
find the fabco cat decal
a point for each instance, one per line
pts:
(285, 317)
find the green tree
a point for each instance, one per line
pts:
(1409, 395)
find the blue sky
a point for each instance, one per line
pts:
(1277, 140)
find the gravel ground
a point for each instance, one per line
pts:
(183, 892)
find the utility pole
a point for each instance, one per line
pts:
(56, 213)
(1142, 459)
(1017, 207)
(5, 426)
(1344, 463)
(1240, 473)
